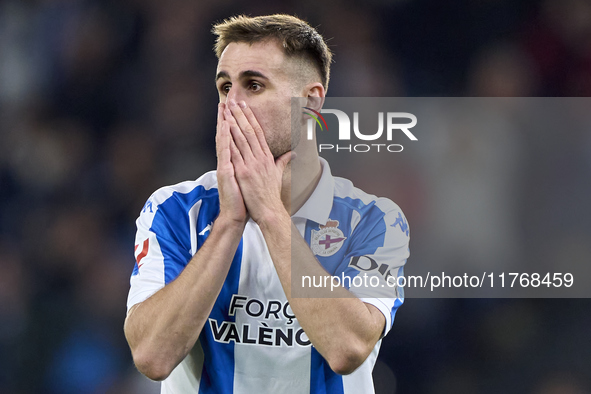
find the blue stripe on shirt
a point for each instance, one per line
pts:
(323, 380)
(217, 375)
(361, 241)
(171, 226)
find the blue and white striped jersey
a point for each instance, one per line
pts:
(252, 342)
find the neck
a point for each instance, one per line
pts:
(299, 181)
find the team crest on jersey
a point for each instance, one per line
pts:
(328, 240)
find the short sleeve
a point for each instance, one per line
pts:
(172, 225)
(376, 257)
(162, 246)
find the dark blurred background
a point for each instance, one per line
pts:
(102, 102)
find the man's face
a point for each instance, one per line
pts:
(262, 76)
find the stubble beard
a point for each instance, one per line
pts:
(282, 144)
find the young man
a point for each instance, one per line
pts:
(211, 308)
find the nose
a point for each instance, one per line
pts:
(236, 93)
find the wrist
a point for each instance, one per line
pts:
(229, 225)
(275, 221)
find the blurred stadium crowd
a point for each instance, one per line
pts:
(104, 101)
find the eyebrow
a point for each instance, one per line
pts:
(243, 74)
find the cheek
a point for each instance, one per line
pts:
(263, 116)
(271, 116)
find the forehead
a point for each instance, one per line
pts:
(267, 57)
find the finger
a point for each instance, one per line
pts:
(221, 107)
(223, 143)
(218, 136)
(258, 130)
(236, 155)
(284, 159)
(248, 126)
(238, 136)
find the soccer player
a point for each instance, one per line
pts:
(211, 309)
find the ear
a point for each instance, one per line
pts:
(315, 93)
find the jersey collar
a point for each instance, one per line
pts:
(317, 208)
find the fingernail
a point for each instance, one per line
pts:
(232, 102)
(242, 104)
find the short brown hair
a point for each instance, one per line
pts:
(296, 36)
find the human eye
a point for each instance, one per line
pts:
(225, 88)
(255, 86)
